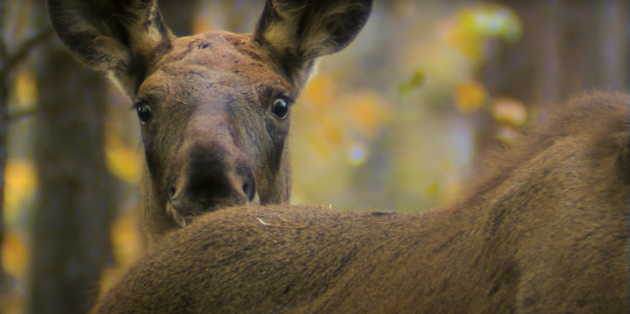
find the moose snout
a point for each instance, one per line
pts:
(210, 181)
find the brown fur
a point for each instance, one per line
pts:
(213, 139)
(544, 230)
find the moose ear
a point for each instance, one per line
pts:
(299, 31)
(116, 36)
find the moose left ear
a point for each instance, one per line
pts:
(299, 31)
(114, 36)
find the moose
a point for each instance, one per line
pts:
(214, 108)
(543, 228)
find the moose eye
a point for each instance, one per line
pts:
(144, 113)
(280, 107)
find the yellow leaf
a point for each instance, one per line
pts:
(451, 192)
(472, 26)
(368, 112)
(201, 25)
(122, 160)
(405, 9)
(433, 188)
(12, 302)
(109, 277)
(14, 255)
(470, 96)
(470, 45)
(126, 239)
(510, 111)
(318, 144)
(320, 91)
(491, 20)
(507, 134)
(332, 133)
(25, 88)
(416, 80)
(20, 183)
(446, 166)
(126, 242)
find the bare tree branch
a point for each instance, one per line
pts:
(22, 52)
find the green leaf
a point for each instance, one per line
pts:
(416, 80)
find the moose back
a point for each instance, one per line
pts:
(544, 229)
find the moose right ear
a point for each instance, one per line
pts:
(297, 32)
(117, 36)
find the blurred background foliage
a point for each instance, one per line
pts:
(393, 122)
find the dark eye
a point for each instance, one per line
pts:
(280, 108)
(144, 113)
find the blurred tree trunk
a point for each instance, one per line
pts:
(4, 108)
(236, 12)
(613, 34)
(179, 15)
(567, 47)
(70, 243)
(527, 70)
(594, 45)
